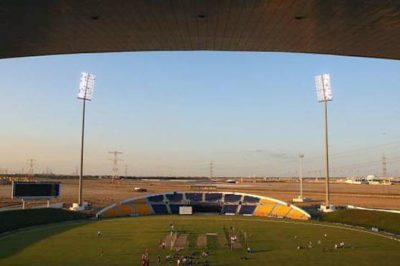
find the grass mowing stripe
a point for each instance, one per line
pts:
(268, 220)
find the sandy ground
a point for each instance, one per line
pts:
(201, 241)
(104, 192)
(181, 242)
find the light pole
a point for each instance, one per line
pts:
(324, 94)
(301, 156)
(300, 197)
(86, 87)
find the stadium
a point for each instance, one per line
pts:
(200, 228)
(181, 213)
(211, 203)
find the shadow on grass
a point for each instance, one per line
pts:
(16, 241)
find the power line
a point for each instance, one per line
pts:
(115, 170)
(31, 162)
(211, 170)
(372, 148)
(384, 164)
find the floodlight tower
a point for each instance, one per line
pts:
(324, 94)
(86, 88)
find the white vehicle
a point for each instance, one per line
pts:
(356, 181)
(139, 189)
(372, 180)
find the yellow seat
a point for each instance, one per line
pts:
(267, 202)
(139, 207)
(280, 211)
(295, 214)
(108, 213)
(263, 210)
(142, 200)
(142, 209)
(118, 211)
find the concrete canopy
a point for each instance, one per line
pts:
(369, 28)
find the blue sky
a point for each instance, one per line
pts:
(171, 113)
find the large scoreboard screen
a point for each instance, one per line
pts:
(35, 190)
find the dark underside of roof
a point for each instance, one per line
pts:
(369, 28)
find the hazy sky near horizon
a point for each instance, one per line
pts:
(171, 113)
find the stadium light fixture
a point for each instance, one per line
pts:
(301, 156)
(301, 198)
(324, 94)
(85, 93)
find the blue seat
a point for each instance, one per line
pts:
(250, 199)
(232, 198)
(156, 198)
(174, 197)
(247, 209)
(229, 208)
(213, 196)
(174, 208)
(194, 196)
(159, 208)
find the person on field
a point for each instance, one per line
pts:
(172, 227)
(143, 260)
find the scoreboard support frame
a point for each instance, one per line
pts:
(25, 198)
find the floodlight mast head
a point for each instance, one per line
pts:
(86, 86)
(323, 86)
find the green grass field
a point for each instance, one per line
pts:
(123, 240)
(386, 221)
